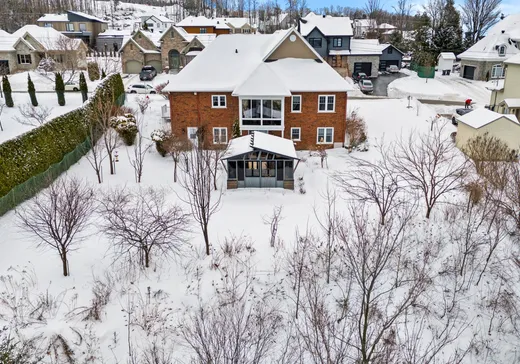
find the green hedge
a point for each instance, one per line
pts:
(34, 152)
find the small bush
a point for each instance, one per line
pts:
(126, 127)
(356, 130)
(159, 137)
(93, 71)
(6, 86)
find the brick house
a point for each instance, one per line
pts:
(276, 83)
(169, 51)
(218, 26)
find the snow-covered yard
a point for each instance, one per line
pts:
(158, 302)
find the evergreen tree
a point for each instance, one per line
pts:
(448, 37)
(60, 89)
(83, 87)
(235, 132)
(31, 90)
(7, 92)
(423, 53)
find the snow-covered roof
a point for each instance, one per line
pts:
(48, 37)
(514, 59)
(232, 63)
(3, 33)
(486, 49)
(362, 47)
(512, 103)
(87, 16)
(481, 117)
(495, 85)
(328, 25)
(449, 56)
(234, 22)
(260, 141)
(386, 45)
(161, 18)
(205, 39)
(386, 26)
(193, 53)
(115, 33)
(201, 21)
(365, 23)
(54, 18)
(7, 43)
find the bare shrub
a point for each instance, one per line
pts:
(177, 147)
(486, 151)
(33, 115)
(355, 129)
(143, 102)
(160, 87)
(273, 221)
(140, 149)
(58, 215)
(101, 292)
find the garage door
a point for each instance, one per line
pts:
(133, 67)
(365, 67)
(156, 64)
(4, 67)
(384, 64)
(469, 72)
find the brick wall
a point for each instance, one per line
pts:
(189, 110)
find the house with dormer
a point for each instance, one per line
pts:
(485, 59)
(269, 83)
(169, 51)
(505, 93)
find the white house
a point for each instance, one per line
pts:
(445, 61)
(156, 22)
(363, 26)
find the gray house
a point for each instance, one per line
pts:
(390, 56)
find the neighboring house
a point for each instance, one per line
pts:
(445, 61)
(168, 52)
(272, 83)
(24, 49)
(485, 59)
(274, 23)
(390, 56)
(112, 40)
(481, 121)
(237, 25)
(203, 25)
(75, 24)
(157, 23)
(363, 26)
(505, 95)
(385, 27)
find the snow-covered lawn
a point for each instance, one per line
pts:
(174, 286)
(449, 88)
(13, 128)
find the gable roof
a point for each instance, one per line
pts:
(328, 25)
(237, 63)
(512, 102)
(260, 141)
(161, 18)
(54, 18)
(202, 21)
(234, 22)
(49, 38)
(449, 56)
(386, 26)
(87, 16)
(386, 45)
(366, 23)
(482, 117)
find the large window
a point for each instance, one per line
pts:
(70, 27)
(48, 25)
(296, 103)
(326, 103)
(259, 112)
(337, 42)
(218, 101)
(315, 42)
(498, 71)
(325, 136)
(219, 135)
(24, 59)
(268, 169)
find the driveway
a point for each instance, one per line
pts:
(381, 83)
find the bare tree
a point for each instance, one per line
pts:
(435, 11)
(478, 16)
(97, 154)
(273, 221)
(141, 224)
(197, 182)
(373, 9)
(33, 115)
(65, 56)
(58, 215)
(298, 264)
(430, 164)
(176, 147)
(143, 102)
(140, 150)
(218, 151)
(403, 8)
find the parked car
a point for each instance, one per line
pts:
(392, 69)
(71, 86)
(147, 73)
(366, 86)
(459, 112)
(140, 88)
(357, 76)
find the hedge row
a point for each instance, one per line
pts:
(35, 151)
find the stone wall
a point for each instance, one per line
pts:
(482, 68)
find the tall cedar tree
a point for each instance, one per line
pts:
(448, 37)
(83, 86)
(32, 91)
(7, 92)
(423, 54)
(60, 89)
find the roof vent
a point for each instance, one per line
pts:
(236, 50)
(324, 16)
(502, 16)
(503, 31)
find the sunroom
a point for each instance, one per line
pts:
(260, 160)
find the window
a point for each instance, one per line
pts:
(268, 169)
(259, 112)
(389, 50)
(203, 30)
(48, 25)
(58, 58)
(296, 134)
(218, 101)
(70, 27)
(326, 103)
(502, 50)
(246, 31)
(24, 59)
(296, 103)
(289, 172)
(219, 135)
(325, 136)
(498, 71)
(337, 42)
(172, 34)
(139, 36)
(315, 42)
(131, 46)
(232, 170)
(252, 169)
(82, 27)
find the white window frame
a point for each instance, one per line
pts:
(262, 127)
(502, 50)
(292, 103)
(195, 129)
(220, 98)
(299, 134)
(494, 72)
(325, 128)
(337, 42)
(84, 27)
(69, 27)
(220, 129)
(327, 103)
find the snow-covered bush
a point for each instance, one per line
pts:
(46, 65)
(126, 127)
(159, 136)
(356, 131)
(159, 89)
(143, 103)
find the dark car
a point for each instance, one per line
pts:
(459, 112)
(357, 76)
(147, 73)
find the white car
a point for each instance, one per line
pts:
(140, 88)
(392, 69)
(71, 86)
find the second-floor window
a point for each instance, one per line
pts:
(498, 71)
(326, 103)
(266, 112)
(337, 42)
(390, 50)
(315, 42)
(70, 27)
(218, 101)
(219, 135)
(203, 30)
(83, 27)
(502, 50)
(296, 103)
